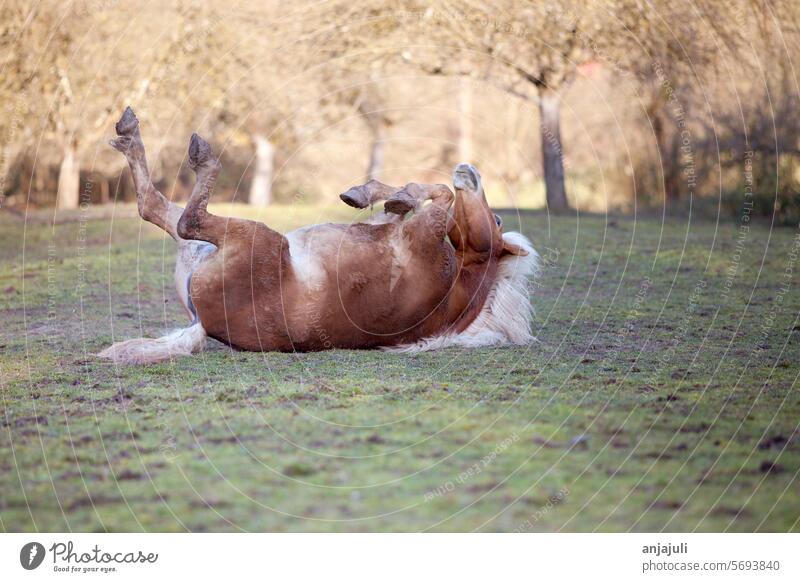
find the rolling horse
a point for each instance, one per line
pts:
(433, 269)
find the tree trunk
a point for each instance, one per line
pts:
(104, 190)
(376, 153)
(261, 185)
(668, 154)
(552, 153)
(69, 180)
(465, 122)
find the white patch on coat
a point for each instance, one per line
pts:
(306, 263)
(401, 255)
(507, 314)
(191, 253)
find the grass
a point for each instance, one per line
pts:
(661, 395)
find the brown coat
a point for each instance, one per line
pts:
(418, 272)
(351, 285)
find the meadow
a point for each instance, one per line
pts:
(660, 395)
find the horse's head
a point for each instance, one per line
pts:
(478, 232)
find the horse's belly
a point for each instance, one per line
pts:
(355, 309)
(243, 325)
(364, 293)
(238, 303)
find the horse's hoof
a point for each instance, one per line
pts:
(128, 123)
(199, 152)
(400, 203)
(354, 197)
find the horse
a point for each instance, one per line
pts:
(434, 269)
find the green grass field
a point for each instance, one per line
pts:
(662, 395)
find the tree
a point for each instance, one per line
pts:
(257, 103)
(531, 50)
(687, 45)
(42, 73)
(73, 88)
(370, 105)
(533, 55)
(261, 184)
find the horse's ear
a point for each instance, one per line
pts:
(512, 249)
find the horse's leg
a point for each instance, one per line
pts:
(411, 197)
(367, 194)
(155, 208)
(191, 253)
(153, 205)
(432, 222)
(198, 224)
(398, 201)
(231, 288)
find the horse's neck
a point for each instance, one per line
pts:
(474, 282)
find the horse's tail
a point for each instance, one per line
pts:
(180, 342)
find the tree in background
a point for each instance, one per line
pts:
(181, 66)
(534, 51)
(757, 143)
(252, 63)
(263, 100)
(377, 122)
(83, 62)
(60, 76)
(350, 77)
(531, 53)
(278, 86)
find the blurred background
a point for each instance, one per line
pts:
(604, 105)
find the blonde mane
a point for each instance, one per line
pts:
(506, 316)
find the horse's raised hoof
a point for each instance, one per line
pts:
(200, 153)
(399, 203)
(355, 197)
(127, 124)
(466, 177)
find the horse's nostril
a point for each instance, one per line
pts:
(467, 177)
(464, 179)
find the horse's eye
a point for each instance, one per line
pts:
(498, 220)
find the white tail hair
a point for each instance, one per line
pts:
(507, 314)
(180, 342)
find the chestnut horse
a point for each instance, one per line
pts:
(418, 276)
